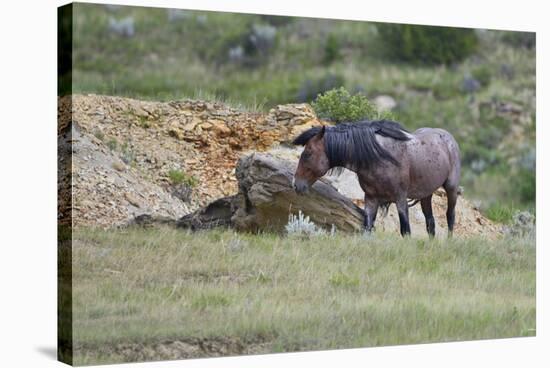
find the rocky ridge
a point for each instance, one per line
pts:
(143, 141)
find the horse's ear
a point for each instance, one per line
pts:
(321, 133)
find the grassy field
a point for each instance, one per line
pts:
(149, 294)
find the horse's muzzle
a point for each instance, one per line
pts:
(301, 186)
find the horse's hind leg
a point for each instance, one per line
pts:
(426, 204)
(403, 212)
(452, 195)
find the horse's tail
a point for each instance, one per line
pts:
(384, 207)
(413, 202)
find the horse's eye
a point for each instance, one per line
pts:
(307, 155)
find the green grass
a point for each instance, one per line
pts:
(499, 213)
(137, 286)
(179, 177)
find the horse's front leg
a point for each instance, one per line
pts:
(403, 211)
(371, 209)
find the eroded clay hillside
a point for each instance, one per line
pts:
(120, 142)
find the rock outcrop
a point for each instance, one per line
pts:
(107, 191)
(148, 139)
(266, 198)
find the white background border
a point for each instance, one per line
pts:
(28, 184)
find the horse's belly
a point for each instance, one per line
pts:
(427, 177)
(421, 192)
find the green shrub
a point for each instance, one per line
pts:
(143, 122)
(500, 213)
(338, 105)
(179, 177)
(277, 20)
(447, 87)
(520, 39)
(112, 144)
(483, 75)
(332, 49)
(127, 153)
(484, 144)
(525, 184)
(427, 44)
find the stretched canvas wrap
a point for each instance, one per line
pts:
(235, 184)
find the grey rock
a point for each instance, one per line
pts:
(347, 184)
(236, 54)
(385, 102)
(177, 14)
(183, 192)
(123, 27)
(215, 214)
(470, 84)
(266, 198)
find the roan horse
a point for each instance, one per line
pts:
(392, 166)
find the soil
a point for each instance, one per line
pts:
(178, 349)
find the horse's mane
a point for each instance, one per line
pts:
(355, 144)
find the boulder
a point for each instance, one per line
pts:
(266, 199)
(215, 214)
(346, 183)
(385, 102)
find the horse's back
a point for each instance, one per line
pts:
(439, 136)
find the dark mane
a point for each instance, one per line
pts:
(355, 144)
(305, 136)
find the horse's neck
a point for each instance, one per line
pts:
(348, 166)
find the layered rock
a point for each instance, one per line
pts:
(107, 191)
(266, 198)
(201, 139)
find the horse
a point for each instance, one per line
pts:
(392, 166)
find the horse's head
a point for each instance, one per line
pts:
(313, 162)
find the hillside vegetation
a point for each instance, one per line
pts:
(222, 293)
(485, 96)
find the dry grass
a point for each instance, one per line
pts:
(138, 286)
